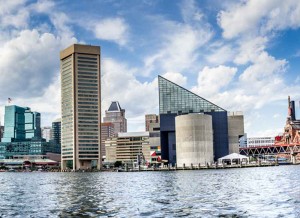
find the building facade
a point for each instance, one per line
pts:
(11, 150)
(116, 115)
(260, 141)
(194, 139)
(128, 148)
(107, 131)
(235, 131)
(175, 100)
(150, 118)
(21, 124)
(81, 109)
(1, 132)
(56, 131)
(22, 135)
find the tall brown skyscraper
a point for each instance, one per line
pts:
(80, 107)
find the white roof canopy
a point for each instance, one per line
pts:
(233, 156)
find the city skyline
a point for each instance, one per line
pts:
(250, 66)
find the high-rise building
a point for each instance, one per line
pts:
(150, 118)
(46, 133)
(107, 131)
(56, 131)
(80, 105)
(21, 124)
(116, 115)
(175, 100)
(22, 134)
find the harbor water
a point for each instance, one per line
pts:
(244, 192)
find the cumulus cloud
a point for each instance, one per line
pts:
(28, 63)
(221, 54)
(177, 78)
(111, 29)
(13, 14)
(211, 80)
(29, 66)
(254, 17)
(120, 84)
(179, 50)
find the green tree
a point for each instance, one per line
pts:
(118, 164)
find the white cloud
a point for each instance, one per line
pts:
(221, 55)
(190, 12)
(13, 14)
(137, 98)
(179, 51)
(176, 78)
(254, 17)
(249, 48)
(212, 80)
(29, 63)
(111, 29)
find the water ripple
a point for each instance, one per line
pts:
(252, 192)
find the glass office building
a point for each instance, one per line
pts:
(22, 134)
(21, 124)
(56, 131)
(175, 100)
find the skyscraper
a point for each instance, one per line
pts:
(56, 131)
(21, 124)
(81, 109)
(116, 115)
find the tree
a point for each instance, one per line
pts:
(118, 164)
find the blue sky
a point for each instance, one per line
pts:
(241, 55)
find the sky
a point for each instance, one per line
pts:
(241, 55)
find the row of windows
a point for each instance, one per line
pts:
(86, 58)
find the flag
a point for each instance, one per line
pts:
(9, 100)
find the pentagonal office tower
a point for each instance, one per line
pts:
(80, 107)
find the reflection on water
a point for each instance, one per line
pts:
(252, 192)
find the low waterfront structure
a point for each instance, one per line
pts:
(234, 158)
(21, 161)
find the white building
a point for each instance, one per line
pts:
(260, 141)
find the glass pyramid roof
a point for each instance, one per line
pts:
(176, 99)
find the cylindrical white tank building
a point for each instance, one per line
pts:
(194, 139)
